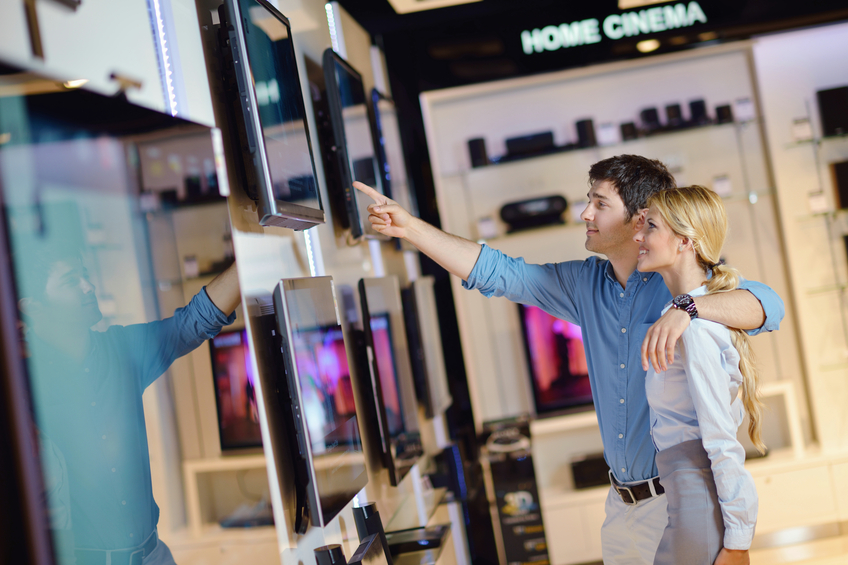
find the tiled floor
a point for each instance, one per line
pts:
(828, 551)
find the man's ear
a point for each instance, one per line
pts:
(28, 306)
(639, 218)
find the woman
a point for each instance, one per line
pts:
(695, 412)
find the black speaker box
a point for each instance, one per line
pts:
(839, 172)
(586, 133)
(674, 116)
(833, 110)
(477, 152)
(590, 471)
(698, 112)
(532, 144)
(629, 131)
(724, 114)
(650, 119)
(534, 212)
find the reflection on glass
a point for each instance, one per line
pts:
(235, 391)
(558, 369)
(90, 333)
(280, 105)
(384, 352)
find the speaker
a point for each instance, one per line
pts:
(329, 555)
(532, 144)
(590, 471)
(477, 152)
(650, 119)
(724, 114)
(839, 173)
(534, 212)
(698, 112)
(586, 133)
(674, 116)
(629, 131)
(833, 110)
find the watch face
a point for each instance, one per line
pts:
(683, 300)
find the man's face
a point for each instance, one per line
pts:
(69, 295)
(606, 229)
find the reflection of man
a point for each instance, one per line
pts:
(87, 388)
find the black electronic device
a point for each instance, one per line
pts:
(385, 130)
(425, 346)
(312, 385)
(629, 131)
(390, 386)
(833, 110)
(839, 172)
(534, 212)
(698, 113)
(477, 152)
(235, 392)
(372, 551)
(528, 145)
(262, 84)
(724, 114)
(369, 524)
(586, 133)
(590, 470)
(556, 361)
(354, 144)
(329, 555)
(417, 539)
(674, 116)
(650, 119)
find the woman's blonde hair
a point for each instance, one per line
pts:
(697, 213)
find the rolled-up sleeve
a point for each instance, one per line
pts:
(772, 305)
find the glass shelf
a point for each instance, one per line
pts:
(816, 141)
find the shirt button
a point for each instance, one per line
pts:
(621, 294)
(621, 401)
(622, 365)
(624, 330)
(94, 404)
(131, 535)
(622, 470)
(645, 279)
(86, 369)
(104, 437)
(620, 436)
(124, 502)
(113, 469)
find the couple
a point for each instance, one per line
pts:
(662, 245)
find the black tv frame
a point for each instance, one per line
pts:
(397, 463)
(255, 168)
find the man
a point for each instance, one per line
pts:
(619, 310)
(87, 397)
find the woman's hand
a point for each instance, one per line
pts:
(732, 557)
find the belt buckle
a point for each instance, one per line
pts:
(622, 490)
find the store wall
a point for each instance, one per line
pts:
(790, 68)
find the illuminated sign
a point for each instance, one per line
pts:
(615, 26)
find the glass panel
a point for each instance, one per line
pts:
(89, 314)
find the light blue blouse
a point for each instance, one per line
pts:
(696, 398)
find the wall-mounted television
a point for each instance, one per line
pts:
(235, 392)
(389, 384)
(556, 361)
(262, 82)
(388, 151)
(352, 151)
(425, 346)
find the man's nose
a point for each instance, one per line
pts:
(86, 286)
(586, 214)
(638, 238)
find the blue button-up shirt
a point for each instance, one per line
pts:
(614, 321)
(93, 414)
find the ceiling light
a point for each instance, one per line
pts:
(406, 6)
(75, 83)
(648, 45)
(628, 4)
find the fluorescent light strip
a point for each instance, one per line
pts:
(165, 58)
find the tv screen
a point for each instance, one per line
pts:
(388, 151)
(235, 391)
(278, 165)
(319, 384)
(353, 150)
(556, 362)
(391, 385)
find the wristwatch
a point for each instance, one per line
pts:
(687, 304)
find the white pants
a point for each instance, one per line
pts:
(631, 534)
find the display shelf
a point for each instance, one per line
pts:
(214, 532)
(816, 141)
(425, 557)
(407, 516)
(825, 289)
(565, 423)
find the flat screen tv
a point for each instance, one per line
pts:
(263, 85)
(385, 131)
(390, 384)
(556, 361)
(425, 346)
(235, 392)
(352, 152)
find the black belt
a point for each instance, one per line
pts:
(632, 494)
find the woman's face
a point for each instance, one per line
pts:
(659, 247)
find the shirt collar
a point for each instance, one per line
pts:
(635, 276)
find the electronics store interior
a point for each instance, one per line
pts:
(350, 394)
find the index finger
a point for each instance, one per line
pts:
(364, 188)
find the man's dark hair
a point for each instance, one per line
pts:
(635, 178)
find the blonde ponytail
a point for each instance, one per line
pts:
(697, 213)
